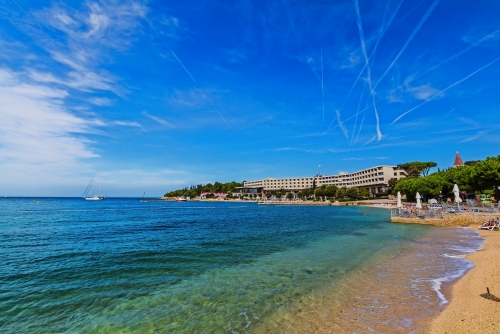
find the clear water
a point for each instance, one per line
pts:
(119, 265)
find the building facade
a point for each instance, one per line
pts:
(375, 180)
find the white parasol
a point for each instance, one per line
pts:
(399, 200)
(419, 204)
(456, 192)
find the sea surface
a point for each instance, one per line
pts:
(121, 266)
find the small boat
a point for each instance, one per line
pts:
(93, 197)
(181, 199)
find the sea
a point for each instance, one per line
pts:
(124, 266)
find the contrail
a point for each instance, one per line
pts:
(341, 125)
(184, 67)
(322, 85)
(221, 116)
(368, 142)
(171, 51)
(369, 78)
(379, 38)
(457, 54)
(417, 28)
(27, 14)
(360, 127)
(408, 13)
(444, 90)
(356, 120)
(300, 39)
(349, 118)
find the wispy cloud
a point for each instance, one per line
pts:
(195, 98)
(101, 101)
(159, 120)
(406, 92)
(126, 123)
(38, 135)
(444, 90)
(235, 56)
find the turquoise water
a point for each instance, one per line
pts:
(118, 265)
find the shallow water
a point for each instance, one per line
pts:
(118, 265)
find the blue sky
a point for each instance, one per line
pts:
(158, 95)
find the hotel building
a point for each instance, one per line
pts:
(375, 180)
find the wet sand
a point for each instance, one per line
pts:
(468, 312)
(401, 295)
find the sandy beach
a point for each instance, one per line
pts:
(468, 312)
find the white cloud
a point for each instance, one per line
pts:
(38, 136)
(405, 92)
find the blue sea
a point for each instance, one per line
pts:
(122, 266)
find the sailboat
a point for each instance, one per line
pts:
(92, 197)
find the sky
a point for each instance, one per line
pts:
(151, 96)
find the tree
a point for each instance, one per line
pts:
(289, 195)
(352, 193)
(486, 174)
(314, 185)
(341, 193)
(471, 162)
(393, 182)
(431, 185)
(330, 191)
(416, 168)
(363, 193)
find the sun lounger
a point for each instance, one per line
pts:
(494, 225)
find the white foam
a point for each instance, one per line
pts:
(459, 256)
(436, 285)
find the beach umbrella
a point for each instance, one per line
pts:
(456, 192)
(399, 200)
(419, 204)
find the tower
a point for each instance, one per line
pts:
(458, 161)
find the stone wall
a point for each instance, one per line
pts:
(452, 219)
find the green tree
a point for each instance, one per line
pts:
(364, 193)
(318, 192)
(289, 195)
(486, 174)
(353, 193)
(330, 191)
(417, 168)
(471, 162)
(392, 183)
(341, 193)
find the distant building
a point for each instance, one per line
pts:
(375, 180)
(458, 161)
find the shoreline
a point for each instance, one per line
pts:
(467, 311)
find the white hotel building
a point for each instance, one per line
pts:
(375, 180)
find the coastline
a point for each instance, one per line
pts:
(467, 311)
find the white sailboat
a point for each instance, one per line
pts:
(92, 197)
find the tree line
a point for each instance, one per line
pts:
(475, 176)
(196, 190)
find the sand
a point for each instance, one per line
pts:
(468, 312)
